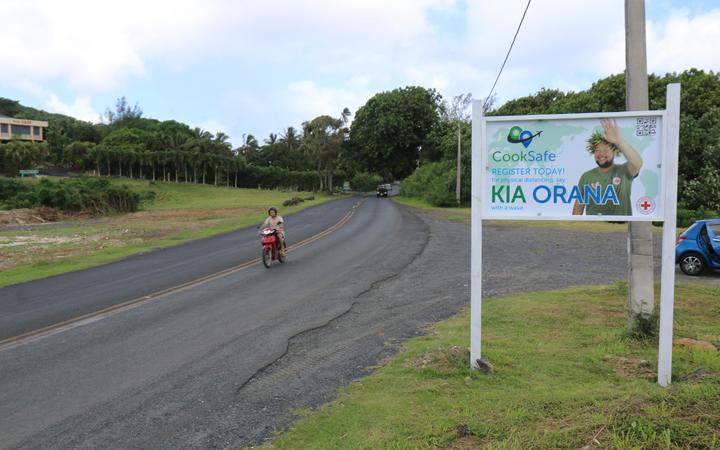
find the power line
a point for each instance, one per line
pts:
(508, 54)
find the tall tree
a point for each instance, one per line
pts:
(391, 128)
(323, 139)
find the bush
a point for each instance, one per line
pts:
(293, 201)
(92, 195)
(365, 182)
(433, 182)
(686, 217)
(703, 191)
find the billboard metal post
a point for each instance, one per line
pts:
(667, 286)
(476, 207)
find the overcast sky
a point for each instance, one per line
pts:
(261, 66)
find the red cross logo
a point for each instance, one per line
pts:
(645, 205)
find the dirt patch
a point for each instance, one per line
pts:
(34, 216)
(463, 443)
(442, 360)
(184, 214)
(34, 241)
(631, 367)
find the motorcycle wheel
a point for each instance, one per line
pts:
(267, 257)
(280, 257)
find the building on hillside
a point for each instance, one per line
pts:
(24, 129)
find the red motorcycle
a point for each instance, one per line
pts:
(271, 247)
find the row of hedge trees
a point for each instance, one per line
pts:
(93, 195)
(178, 166)
(191, 167)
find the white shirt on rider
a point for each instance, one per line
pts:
(275, 223)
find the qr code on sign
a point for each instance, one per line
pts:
(646, 126)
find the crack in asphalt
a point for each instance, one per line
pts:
(373, 286)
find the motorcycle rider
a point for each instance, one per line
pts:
(275, 222)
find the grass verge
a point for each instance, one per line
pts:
(179, 213)
(566, 376)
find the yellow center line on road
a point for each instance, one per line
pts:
(85, 319)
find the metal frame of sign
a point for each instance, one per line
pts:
(670, 143)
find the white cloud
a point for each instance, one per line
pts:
(684, 42)
(91, 44)
(296, 60)
(80, 108)
(260, 114)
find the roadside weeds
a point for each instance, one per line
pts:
(566, 376)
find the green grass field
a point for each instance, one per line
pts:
(566, 376)
(179, 213)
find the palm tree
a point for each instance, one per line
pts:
(272, 139)
(250, 145)
(203, 162)
(141, 159)
(94, 156)
(199, 133)
(194, 158)
(290, 138)
(162, 159)
(108, 158)
(177, 158)
(236, 165)
(131, 158)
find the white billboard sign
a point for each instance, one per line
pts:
(585, 167)
(601, 166)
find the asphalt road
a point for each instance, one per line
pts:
(224, 363)
(28, 306)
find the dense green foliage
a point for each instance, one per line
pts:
(93, 195)
(390, 130)
(365, 182)
(435, 182)
(19, 155)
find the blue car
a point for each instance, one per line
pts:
(698, 248)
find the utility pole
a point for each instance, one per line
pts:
(459, 167)
(641, 300)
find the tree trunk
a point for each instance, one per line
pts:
(120, 168)
(194, 174)
(236, 177)
(153, 172)
(141, 171)
(215, 180)
(131, 171)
